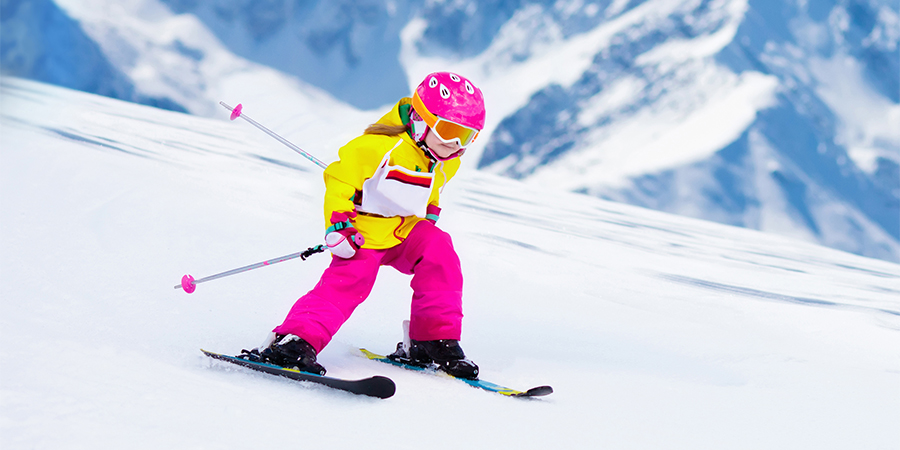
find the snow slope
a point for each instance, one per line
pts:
(656, 331)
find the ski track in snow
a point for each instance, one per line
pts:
(656, 331)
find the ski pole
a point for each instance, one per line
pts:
(236, 112)
(189, 284)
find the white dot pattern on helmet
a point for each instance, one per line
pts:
(433, 82)
(445, 93)
(454, 77)
(469, 88)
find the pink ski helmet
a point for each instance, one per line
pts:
(451, 106)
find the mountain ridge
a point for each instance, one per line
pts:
(777, 116)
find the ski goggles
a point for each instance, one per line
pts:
(448, 131)
(445, 129)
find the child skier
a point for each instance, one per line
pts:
(381, 206)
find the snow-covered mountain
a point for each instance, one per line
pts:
(778, 116)
(781, 116)
(657, 331)
(44, 43)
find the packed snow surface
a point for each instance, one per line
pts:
(656, 331)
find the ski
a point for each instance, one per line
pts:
(538, 391)
(376, 386)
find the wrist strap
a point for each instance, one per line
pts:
(339, 226)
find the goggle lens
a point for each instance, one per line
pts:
(448, 131)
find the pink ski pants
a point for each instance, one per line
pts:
(427, 254)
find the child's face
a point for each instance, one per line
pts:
(441, 149)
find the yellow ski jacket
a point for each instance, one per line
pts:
(360, 159)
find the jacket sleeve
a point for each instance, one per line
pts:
(344, 177)
(446, 171)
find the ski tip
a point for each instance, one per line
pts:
(539, 391)
(380, 387)
(236, 112)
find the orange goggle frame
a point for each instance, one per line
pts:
(446, 130)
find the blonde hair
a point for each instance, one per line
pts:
(386, 130)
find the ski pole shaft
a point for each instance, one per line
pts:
(236, 112)
(189, 284)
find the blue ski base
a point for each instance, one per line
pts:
(538, 391)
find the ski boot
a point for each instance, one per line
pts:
(288, 351)
(445, 354)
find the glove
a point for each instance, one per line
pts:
(341, 238)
